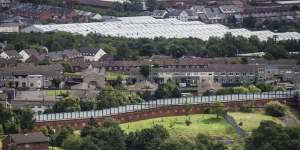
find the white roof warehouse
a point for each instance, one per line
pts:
(149, 27)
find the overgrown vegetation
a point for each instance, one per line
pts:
(16, 121)
(275, 109)
(274, 136)
(109, 97)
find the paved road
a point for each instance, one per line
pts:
(163, 102)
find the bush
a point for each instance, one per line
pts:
(275, 109)
(188, 122)
(247, 108)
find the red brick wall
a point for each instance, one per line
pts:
(151, 113)
(34, 146)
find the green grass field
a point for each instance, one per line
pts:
(251, 121)
(56, 92)
(114, 75)
(201, 123)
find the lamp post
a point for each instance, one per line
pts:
(150, 69)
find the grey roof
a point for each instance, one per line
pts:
(32, 52)
(229, 9)
(12, 53)
(213, 68)
(35, 137)
(198, 8)
(86, 51)
(175, 12)
(213, 13)
(53, 70)
(60, 55)
(71, 53)
(55, 56)
(235, 67)
(272, 62)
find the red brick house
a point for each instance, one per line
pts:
(29, 141)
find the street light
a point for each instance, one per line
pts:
(150, 65)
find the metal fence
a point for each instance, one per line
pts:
(163, 102)
(235, 126)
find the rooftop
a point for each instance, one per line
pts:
(149, 27)
(36, 137)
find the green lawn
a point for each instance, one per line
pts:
(56, 92)
(114, 75)
(251, 121)
(201, 123)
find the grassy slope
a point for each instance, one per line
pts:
(252, 120)
(201, 123)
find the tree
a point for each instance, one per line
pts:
(254, 89)
(152, 4)
(249, 22)
(244, 60)
(110, 97)
(61, 134)
(67, 67)
(72, 143)
(240, 90)
(218, 109)
(181, 144)
(106, 138)
(206, 143)
(167, 90)
(67, 105)
(270, 135)
(26, 119)
(145, 71)
(264, 87)
(147, 139)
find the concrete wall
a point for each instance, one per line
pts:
(153, 113)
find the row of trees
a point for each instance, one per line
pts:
(107, 98)
(258, 88)
(127, 48)
(15, 121)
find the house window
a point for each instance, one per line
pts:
(23, 84)
(31, 84)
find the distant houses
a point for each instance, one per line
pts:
(10, 54)
(34, 56)
(225, 13)
(91, 54)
